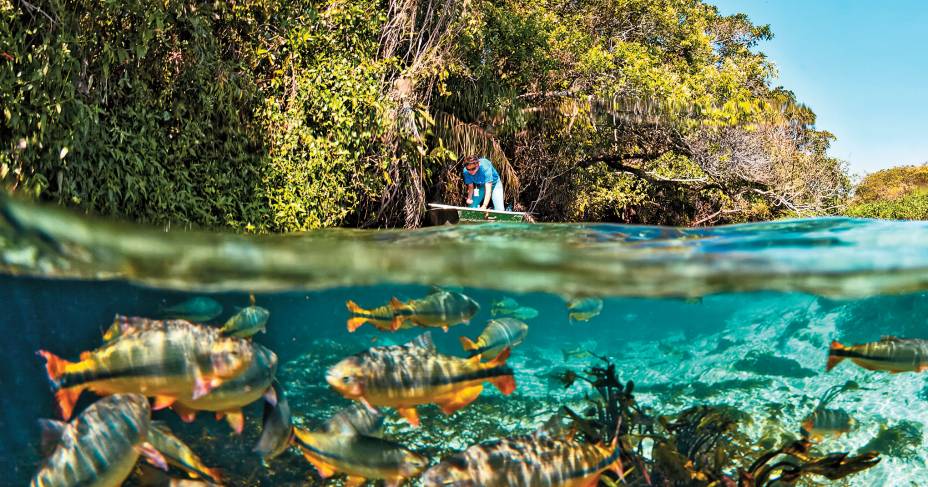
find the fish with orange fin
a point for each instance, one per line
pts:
(890, 354)
(177, 453)
(359, 456)
(382, 317)
(827, 422)
(406, 376)
(167, 361)
(500, 333)
(228, 399)
(100, 447)
(440, 309)
(527, 461)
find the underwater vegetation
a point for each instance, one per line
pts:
(901, 440)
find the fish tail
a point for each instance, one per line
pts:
(353, 307)
(505, 383)
(355, 322)
(835, 355)
(468, 344)
(54, 366)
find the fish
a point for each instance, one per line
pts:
(499, 334)
(356, 418)
(504, 306)
(575, 353)
(565, 378)
(123, 325)
(177, 453)
(100, 447)
(405, 376)
(359, 456)
(228, 399)
(247, 322)
(528, 461)
(382, 317)
(166, 360)
(890, 354)
(584, 309)
(277, 429)
(827, 422)
(440, 309)
(525, 313)
(197, 309)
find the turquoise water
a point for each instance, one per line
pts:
(738, 316)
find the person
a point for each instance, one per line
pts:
(483, 184)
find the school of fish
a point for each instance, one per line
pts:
(144, 365)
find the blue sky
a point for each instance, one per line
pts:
(861, 66)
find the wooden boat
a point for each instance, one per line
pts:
(440, 214)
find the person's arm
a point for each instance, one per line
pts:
(470, 194)
(487, 188)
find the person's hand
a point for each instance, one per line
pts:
(470, 201)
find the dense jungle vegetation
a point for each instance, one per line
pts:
(280, 115)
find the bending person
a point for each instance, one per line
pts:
(483, 184)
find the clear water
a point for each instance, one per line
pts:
(683, 309)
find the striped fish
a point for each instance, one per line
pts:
(584, 309)
(356, 418)
(891, 354)
(440, 309)
(529, 461)
(405, 376)
(228, 399)
(827, 422)
(247, 322)
(166, 360)
(277, 427)
(359, 456)
(177, 453)
(499, 334)
(99, 448)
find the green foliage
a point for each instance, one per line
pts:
(898, 193)
(253, 115)
(283, 115)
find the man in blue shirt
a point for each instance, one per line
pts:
(483, 184)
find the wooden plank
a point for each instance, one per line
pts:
(473, 215)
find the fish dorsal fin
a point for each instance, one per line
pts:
(423, 341)
(52, 435)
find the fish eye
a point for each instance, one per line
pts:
(346, 379)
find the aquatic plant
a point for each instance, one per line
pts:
(901, 440)
(794, 461)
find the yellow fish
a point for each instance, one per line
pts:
(228, 399)
(500, 333)
(827, 422)
(359, 456)
(890, 354)
(584, 309)
(247, 322)
(167, 361)
(177, 453)
(405, 376)
(382, 317)
(99, 448)
(527, 461)
(440, 309)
